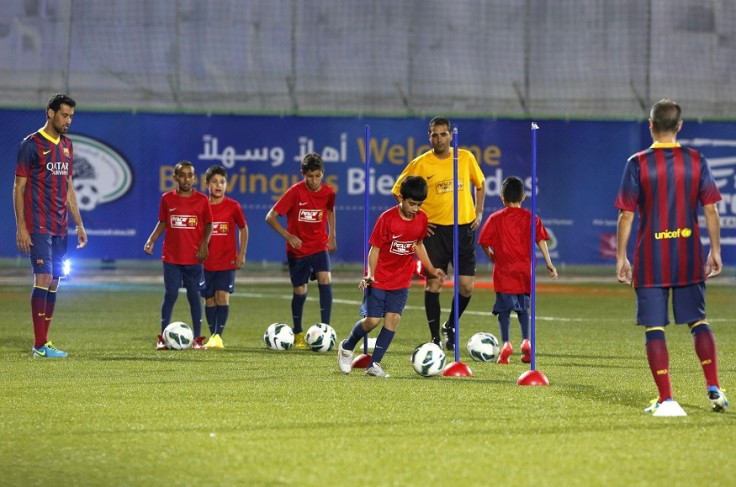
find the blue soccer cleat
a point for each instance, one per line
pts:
(47, 351)
(718, 400)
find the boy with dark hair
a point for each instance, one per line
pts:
(506, 240)
(396, 238)
(185, 215)
(224, 258)
(309, 207)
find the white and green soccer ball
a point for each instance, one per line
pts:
(279, 336)
(483, 347)
(321, 337)
(178, 336)
(428, 359)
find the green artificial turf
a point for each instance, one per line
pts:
(116, 412)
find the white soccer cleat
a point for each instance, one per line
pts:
(344, 359)
(375, 370)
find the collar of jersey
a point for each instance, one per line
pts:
(664, 145)
(51, 139)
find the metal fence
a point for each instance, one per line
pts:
(562, 58)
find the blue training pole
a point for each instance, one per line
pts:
(366, 211)
(532, 316)
(455, 309)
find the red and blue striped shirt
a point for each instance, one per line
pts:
(665, 183)
(47, 163)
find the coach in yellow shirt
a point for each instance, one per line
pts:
(436, 167)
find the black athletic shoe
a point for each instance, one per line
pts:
(449, 335)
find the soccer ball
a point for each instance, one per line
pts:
(483, 347)
(279, 336)
(178, 336)
(428, 359)
(321, 337)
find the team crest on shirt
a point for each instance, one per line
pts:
(101, 174)
(310, 216)
(185, 222)
(402, 248)
(446, 186)
(220, 228)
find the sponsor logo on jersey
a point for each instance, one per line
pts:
(101, 174)
(402, 248)
(220, 228)
(680, 232)
(310, 216)
(187, 222)
(58, 168)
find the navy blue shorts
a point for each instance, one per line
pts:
(191, 277)
(688, 304)
(305, 269)
(48, 254)
(439, 248)
(218, 281)
(506, 303)
(378, 302)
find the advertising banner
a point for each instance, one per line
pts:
(125, 161)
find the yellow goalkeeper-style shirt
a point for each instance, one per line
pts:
(439, 176)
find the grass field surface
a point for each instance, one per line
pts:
(116, 412)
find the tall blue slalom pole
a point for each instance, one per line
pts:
(456, 368)
(363, 361)
(533, 377)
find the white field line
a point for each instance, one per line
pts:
(356, 303)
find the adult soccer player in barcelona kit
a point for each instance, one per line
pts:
(310, 237)
(185, 218)
(226, 254)
(396, 239)
(43, 197)
(665, 184)
(506, 239)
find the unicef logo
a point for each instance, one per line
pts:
(101, 174)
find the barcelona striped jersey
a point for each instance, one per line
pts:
(665, 183)
(47, 163)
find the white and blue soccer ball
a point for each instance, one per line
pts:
(321, 337)
(279, 336)
(178, 336)
(428, 359)
(483, 347)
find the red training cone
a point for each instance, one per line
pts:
(362, 361)
(457, 369)
(532, 378)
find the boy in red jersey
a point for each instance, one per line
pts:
(185, 215)
(506, 239)
(396, 238)
(43, 197)
(665, 183)
(309, 207)
(224, 258)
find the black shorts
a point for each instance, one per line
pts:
(439, 248)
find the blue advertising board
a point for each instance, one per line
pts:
(124, 162)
